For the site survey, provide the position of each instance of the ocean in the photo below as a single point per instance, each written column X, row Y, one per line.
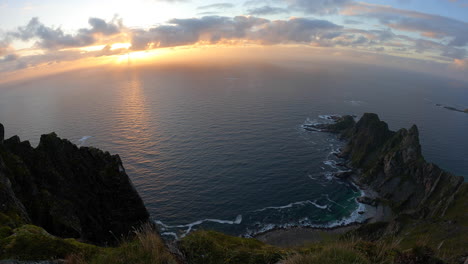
column 222, row 147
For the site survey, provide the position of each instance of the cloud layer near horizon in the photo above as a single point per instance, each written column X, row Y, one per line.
column 398, row 32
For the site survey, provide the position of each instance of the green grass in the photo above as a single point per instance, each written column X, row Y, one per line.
column 145, row 248
column 331, row 255
column 210, row 247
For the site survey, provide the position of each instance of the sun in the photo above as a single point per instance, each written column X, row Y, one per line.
column 141, row 56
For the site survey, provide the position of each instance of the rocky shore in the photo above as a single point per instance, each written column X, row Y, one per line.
column 390, row 170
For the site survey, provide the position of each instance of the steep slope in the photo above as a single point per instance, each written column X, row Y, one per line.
column 69, row 191
column 391, row 163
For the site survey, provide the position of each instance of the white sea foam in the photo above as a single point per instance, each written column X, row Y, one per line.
column 355, row 103
column 170, row 234
column 190, row 226
column 330, row 117
column 83, row 140
column 355, row 217
column 328, row 175
column 330, row 163
column 293, row 204
column 330, row 200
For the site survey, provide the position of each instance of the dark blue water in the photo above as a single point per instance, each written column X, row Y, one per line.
column 222, row 147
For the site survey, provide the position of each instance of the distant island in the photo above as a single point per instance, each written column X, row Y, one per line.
column 62, row 202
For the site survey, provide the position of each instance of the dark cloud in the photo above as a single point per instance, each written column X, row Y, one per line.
column 9, row 57
column 215, row 29
column 296, row 30
column 267, row 10
column 216, row 6
column 190, row 31
column 55, row 38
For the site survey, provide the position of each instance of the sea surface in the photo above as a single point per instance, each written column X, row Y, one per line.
column 223, row 147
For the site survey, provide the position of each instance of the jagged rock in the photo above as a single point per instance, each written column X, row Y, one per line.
column 341, row 125
column 70, row 191
column 367, row 200
column 392, row 164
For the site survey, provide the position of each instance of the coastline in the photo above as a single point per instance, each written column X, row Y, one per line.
column 300, row 236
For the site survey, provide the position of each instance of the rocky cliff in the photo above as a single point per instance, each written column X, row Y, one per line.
column 69, row 191
column 391, row 163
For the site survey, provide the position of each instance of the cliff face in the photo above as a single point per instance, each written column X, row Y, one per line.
column 69, row 191
column 391, row 163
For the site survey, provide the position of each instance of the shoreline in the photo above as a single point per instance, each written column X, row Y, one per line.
column 301, row 235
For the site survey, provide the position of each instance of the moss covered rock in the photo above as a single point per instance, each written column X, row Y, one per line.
column 34, row 243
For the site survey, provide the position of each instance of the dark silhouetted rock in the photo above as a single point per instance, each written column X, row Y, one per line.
column 70, row 191
column 343, row 174
column 2, row 133
column 367, row 200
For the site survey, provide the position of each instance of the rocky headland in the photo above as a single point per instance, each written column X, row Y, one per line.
column 68, row 191
column 392, row 165
column 414, row 201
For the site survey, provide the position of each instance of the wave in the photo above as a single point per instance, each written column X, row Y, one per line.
column 331, row 117
column 331, row 163
column 190, row 226
column 355, row 103
column 331, row 201
column 355, row 217
column 170, row 234
column 293, row 204
column 83, row 140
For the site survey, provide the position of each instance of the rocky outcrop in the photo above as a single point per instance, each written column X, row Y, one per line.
column 69, row 191
column 341, row 125
column 391, row 163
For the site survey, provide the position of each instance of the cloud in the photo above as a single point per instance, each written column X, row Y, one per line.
column 263, row 2
column 216, row 6
column 4, row 47
column 296, row 30
column 214, row 29
column 460, row 64
column 267, row 10
column 319, row 7
column 427, row 25
column 55, row 38
column 9, row 57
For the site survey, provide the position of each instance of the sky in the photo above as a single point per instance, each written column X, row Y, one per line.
column 422, row 35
